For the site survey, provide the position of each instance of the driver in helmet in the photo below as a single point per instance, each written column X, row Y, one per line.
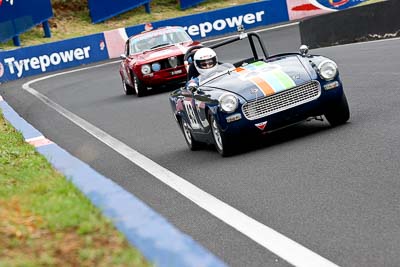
column 205, row 61
column 205, row 64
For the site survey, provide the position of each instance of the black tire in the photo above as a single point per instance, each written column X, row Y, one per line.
column 127, row 88
column 222, row 141
column 187, row 133
column 339, row 113
column 140, row 89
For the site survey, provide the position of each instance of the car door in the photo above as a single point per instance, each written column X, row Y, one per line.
column 194, row 103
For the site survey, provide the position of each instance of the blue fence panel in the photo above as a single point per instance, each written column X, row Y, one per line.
column 18, row 16
column 185, row 4
column 101, row 10
column 225, row 20
column 39, row 59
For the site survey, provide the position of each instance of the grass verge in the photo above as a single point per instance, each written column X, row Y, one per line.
column 45, row 220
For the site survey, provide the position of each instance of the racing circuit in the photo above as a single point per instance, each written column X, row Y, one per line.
column 332, row 190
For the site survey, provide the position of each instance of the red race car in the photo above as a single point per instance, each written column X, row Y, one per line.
column 154, row 58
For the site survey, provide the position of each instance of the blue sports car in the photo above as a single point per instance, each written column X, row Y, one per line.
column 258, row 95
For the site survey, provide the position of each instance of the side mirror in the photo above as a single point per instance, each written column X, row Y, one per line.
column 122, row 56
column 303, row 50
column 193, row 88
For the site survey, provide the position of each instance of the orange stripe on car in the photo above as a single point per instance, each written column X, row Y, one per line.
column 262, row 85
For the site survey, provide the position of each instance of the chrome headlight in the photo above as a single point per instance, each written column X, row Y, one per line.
column 228, row 102
column 173, row 62
column 156, row 66
column 146, row 69
column 327, row 69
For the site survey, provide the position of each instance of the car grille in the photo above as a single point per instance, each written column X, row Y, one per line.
column 165, row 64
column 281, row 101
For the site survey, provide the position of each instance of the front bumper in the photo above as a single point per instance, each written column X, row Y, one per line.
column 165, row 76
column 237, row 123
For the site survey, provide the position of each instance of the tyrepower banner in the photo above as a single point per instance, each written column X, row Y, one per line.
column 18, row 16
column 40, row 59
column 225, row 20
column 101, row 10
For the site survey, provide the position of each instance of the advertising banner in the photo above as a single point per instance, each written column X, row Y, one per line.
column 299, row 9
column 18, row 16
column 225, row 20
column 185, row 4
column 40, row 59
column 101, row 10
column 338, row 4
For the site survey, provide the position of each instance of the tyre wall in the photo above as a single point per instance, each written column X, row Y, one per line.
column 369, row 22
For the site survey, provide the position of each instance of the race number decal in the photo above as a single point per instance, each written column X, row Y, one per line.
column 191, row 114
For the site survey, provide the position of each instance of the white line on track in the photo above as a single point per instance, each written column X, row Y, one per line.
column 275, row 242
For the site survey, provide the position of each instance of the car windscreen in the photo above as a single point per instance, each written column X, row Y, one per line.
column 243, row 52
column 155, row 39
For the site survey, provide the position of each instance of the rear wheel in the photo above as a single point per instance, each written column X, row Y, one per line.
column 338, row 114
column 140, row 89
column 187, row 133
column 222, row 141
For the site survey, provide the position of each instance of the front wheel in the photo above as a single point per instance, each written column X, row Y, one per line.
column 127, row 88
column 187, row 133
column 222, row 142
column 339, row 113
column 140, row 89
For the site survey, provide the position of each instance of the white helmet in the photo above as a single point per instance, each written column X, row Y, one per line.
column 205, row 60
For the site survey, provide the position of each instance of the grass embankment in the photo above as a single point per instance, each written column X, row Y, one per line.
column 72, row 19
column 45, row 220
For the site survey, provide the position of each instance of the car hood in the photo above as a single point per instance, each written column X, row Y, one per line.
column 162, row 53
column 260, row 78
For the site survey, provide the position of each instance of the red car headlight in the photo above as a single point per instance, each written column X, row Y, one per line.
column 146, row 69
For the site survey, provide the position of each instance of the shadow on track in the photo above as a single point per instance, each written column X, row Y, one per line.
column 259, row 142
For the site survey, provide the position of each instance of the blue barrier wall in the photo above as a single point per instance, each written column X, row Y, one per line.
column 39, row 59
column 101, row 10
column 18, row 16
column 225, row 20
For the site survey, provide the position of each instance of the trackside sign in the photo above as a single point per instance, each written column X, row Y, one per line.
column 207, row 27
column 18, row 16
column 46, row 61
column 33, row 60
column 226, row 20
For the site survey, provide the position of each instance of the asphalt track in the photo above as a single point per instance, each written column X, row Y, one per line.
column 332, row 190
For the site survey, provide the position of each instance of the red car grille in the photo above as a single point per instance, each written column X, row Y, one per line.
column 165, row 64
